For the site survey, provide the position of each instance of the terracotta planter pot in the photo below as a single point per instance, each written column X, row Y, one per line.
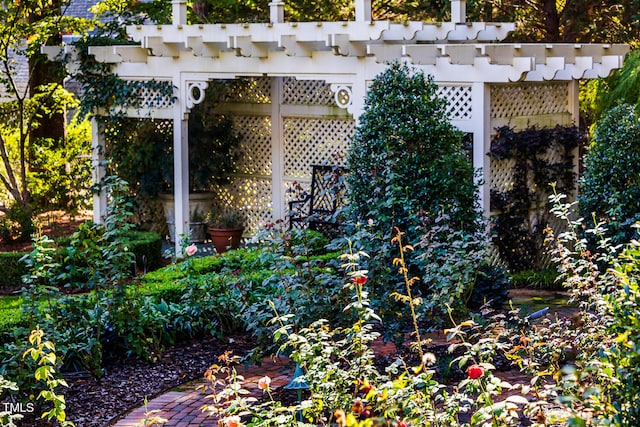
column 225, row 238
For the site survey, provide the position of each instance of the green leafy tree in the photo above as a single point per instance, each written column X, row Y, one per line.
column 33, row 102
column 610, row 186
column 599, row 95
column 567, row 21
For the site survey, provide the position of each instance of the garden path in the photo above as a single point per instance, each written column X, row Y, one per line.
column 182, row 407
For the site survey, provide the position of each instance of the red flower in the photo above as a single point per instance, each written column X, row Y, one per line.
column 359, row 280
column 475, row 371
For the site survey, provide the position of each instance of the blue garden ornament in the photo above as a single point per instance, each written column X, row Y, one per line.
column 538, row 313
column 299, row 380
column 298, row 383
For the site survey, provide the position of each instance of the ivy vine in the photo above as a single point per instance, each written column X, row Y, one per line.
column 517, row 229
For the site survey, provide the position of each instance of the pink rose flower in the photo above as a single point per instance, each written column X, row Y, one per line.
column 232, row 421
column 264, row 383
column 191, row 250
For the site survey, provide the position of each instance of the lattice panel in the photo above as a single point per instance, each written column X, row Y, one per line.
column 152, row 98
column 251, row 196
column 149, row 214
column 314, row 141
column 250, row 90
column 501, row 170
column 307, row 92
column 458, row 101
column 501, row 174
column 529, row 99
column 255, row 148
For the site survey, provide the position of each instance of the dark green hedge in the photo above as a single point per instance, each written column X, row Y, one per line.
column 146, row 245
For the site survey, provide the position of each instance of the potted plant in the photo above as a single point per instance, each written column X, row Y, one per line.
column 213, row 144
column 225, row 229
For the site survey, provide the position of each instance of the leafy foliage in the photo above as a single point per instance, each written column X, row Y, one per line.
column 601, row 385
column 623, row 86
column 27, row 107
column 610, row 185
column 517, row 230
column 409, row 171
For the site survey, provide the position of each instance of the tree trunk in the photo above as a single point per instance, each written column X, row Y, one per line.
column 551, row 21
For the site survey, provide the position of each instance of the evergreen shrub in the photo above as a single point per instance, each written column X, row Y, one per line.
column 610, row 186
column 409, row 168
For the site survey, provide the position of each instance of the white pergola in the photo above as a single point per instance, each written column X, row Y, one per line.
column 347, row 56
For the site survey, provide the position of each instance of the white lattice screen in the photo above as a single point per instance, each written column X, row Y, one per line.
column 313, row 142
column 304, row 141
column 252, row 196
column 151, row 98
column 529, row 99
column 501, row 174
column 250, row 91
column 255, row 148
column 309, row 92
column 502, row 170
column 525, row 100
column 458, row 101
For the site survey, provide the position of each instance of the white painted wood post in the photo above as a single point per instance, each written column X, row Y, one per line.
column 363, row 10
column 276, row 9
column 481, row 104
column 179, row 12
column 278, row 208
column 180, row 166
column 98, row 172
column 458, row 11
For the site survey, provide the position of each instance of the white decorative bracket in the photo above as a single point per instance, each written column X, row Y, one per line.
column 343, row 95
column 194, row 94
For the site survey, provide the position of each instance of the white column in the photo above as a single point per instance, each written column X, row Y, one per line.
column 458, row 11
column 179, row 12
column 278, row 209
column 363, row 10
column 98, row 172
column 180, row 166
column 276, row 9
column 481, row 103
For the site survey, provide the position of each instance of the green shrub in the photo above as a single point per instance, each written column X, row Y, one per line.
column 409, row 169
column 17, row 224
column 491, row 286
column 610, row 186
column 12, row 270
column 60, row 173
column 601, row 386
column 146, row 246
column 10, row 312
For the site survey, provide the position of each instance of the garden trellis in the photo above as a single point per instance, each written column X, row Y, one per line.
column 309, row 80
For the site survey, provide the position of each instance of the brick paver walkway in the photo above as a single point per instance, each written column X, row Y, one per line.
column 183, row 408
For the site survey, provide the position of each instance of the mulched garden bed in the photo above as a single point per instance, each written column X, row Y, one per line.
column 100, row 402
